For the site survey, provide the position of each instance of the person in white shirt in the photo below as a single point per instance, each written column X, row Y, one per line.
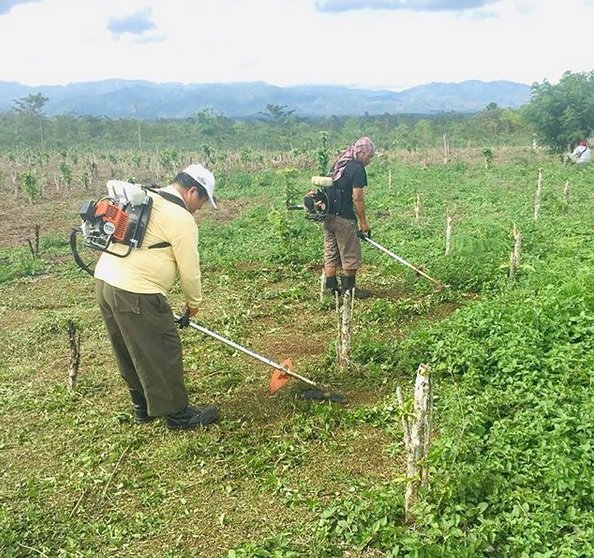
column 582, row 153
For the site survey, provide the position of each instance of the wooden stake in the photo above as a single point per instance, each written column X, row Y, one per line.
column 31, row 248
column 345, row 318
column 514, row 260
column 448, row 240
column 417, row 207
column 322, row 284
column 37, row 229
column 389, row 180
column 538, row 195
column 566, row 193
column 74, row 342
column 15, row 183
column 417, row 439
column 446, row 149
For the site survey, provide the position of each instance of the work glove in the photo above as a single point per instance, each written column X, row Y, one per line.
column 183, row 320
column 364, row 234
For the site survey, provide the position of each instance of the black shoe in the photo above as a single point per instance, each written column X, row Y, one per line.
column 190, row 418
column 141, row 415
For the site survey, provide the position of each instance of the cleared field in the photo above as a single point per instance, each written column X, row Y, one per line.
column 284, row 477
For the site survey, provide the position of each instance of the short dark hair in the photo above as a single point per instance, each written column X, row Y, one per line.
column 186, row 181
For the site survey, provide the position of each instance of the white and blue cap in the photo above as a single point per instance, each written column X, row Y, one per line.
column 205, row 178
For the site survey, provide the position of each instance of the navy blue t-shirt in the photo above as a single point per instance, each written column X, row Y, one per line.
column 341, row 193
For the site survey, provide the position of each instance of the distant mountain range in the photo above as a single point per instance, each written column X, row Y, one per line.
column 117, row 98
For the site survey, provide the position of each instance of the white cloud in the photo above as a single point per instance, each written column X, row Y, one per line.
column 289, row 42
column 412, row 5
column 137, row 23
column 7, row 5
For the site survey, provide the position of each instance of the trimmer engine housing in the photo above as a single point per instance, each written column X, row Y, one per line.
column 122, row 217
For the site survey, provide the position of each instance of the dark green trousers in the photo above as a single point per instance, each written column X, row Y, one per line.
column 146, row 344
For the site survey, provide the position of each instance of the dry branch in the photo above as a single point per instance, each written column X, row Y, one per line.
column 117, row 466
column 74, row 363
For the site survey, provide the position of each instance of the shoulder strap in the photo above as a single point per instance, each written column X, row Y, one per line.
column 169, row 197
column 174, row 199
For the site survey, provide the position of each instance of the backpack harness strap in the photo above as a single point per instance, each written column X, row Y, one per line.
column 173, row 199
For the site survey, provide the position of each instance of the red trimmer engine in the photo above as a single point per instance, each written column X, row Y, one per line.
column 121, row 217
column 104, row 221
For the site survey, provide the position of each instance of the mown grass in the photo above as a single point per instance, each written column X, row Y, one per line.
column 284, row 477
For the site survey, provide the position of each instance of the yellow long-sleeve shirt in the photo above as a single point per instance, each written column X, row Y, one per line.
column 154, row 270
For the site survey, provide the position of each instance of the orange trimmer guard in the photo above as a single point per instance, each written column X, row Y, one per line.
column 280, row 378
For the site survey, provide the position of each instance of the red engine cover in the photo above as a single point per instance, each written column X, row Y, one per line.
column 108, row 211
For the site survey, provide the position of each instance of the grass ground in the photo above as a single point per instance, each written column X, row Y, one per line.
column 79, row 478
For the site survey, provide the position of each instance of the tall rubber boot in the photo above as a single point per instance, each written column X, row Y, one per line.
column 141, row 415
column 331, row 285
column 347, row 283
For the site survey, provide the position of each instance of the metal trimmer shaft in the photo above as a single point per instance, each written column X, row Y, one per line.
column 402, row 261
column 267, row 361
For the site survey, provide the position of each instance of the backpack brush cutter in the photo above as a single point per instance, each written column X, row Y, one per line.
column 118, row 219
column 318, row 204
column 282, row 372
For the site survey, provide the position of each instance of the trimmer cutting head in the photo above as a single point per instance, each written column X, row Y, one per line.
column 319, row 395
column 280, row 378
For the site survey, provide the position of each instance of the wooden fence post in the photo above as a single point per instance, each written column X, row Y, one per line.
column 514, row 260
column 538, row 196
column 417, row 439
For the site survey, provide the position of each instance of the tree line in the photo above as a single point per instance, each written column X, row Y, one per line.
column 558, row 114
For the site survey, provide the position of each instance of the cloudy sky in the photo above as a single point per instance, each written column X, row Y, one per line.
column 390, row 44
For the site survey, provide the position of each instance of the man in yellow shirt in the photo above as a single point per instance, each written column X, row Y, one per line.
column 131, row 292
